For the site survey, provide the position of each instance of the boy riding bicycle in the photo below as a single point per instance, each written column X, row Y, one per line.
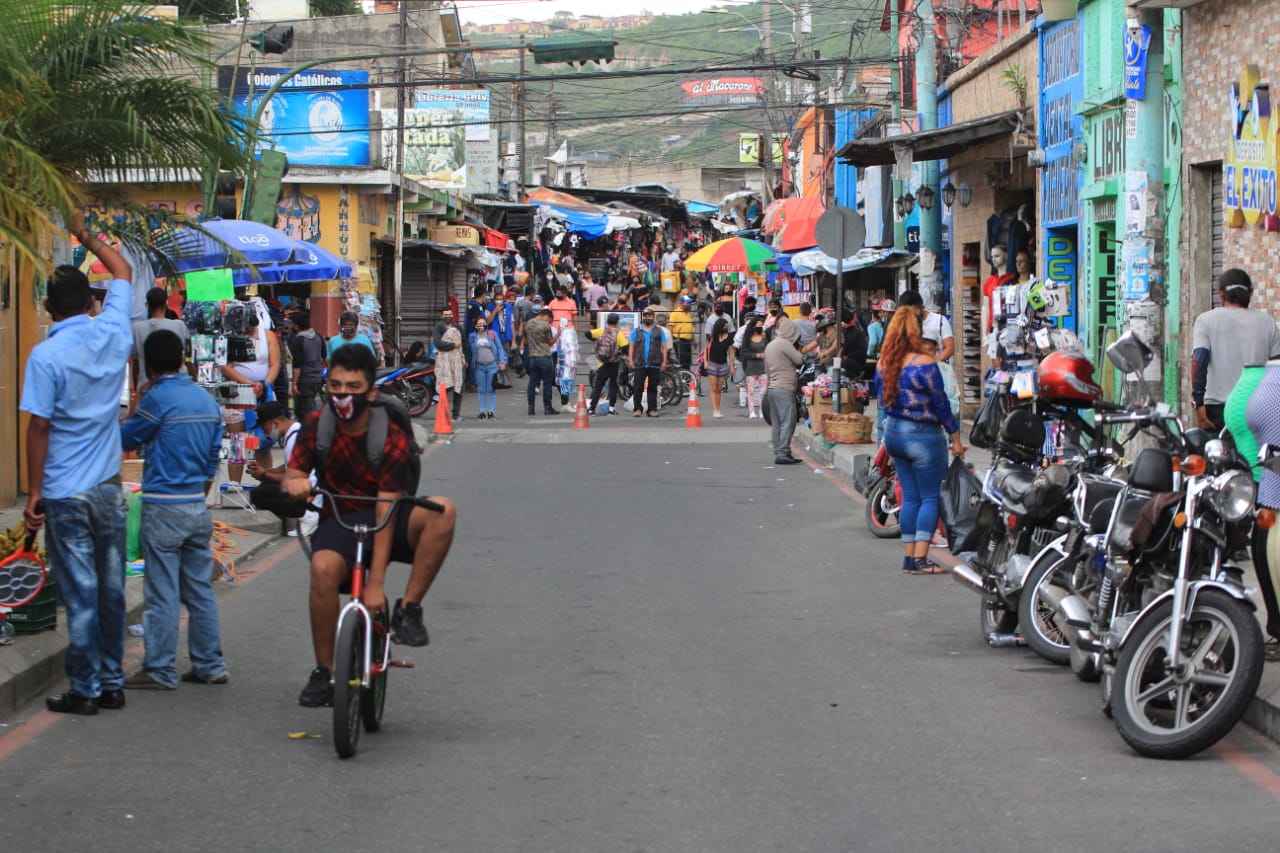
column 418, row 536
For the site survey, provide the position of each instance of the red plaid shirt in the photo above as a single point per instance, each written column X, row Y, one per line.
column 347, row 471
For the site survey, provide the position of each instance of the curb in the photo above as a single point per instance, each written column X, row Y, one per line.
column 1264, row 711
column 31, row 665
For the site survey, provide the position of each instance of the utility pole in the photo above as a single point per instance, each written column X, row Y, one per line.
column 1143, row 250
column 927, row 118
column 520, row 147
column 895, row 96
column 397, row 273
column 771, row 88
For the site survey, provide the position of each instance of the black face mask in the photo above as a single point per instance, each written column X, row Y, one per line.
column 648, row 321
column 348, row 407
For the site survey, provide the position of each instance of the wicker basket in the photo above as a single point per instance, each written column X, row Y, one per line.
column 851, row 428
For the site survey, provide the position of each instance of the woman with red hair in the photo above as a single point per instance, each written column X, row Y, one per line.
column 913, row 398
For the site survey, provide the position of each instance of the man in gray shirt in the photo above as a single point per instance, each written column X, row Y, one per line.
column 782, row 361
column 808, row 329
column 1223, row 342
column 157, row 304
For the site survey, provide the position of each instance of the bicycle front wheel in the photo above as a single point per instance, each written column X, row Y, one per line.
column 669, row 389
column 348, row 673
column 373, row 699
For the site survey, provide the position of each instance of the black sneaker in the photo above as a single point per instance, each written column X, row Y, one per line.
column 319, row 690
column 406, row 624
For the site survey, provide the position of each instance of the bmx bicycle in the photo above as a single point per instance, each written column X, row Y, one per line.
column 362, row 645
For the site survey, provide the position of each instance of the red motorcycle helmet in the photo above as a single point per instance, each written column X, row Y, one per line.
column 1066, row 379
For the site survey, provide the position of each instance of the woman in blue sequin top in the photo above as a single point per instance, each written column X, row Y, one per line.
column 911, row 393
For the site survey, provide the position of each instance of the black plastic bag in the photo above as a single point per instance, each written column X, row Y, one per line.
column 959, row 505
column 987, row 423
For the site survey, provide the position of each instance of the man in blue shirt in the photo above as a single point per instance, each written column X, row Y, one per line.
column 72, row 391
column 349, row 333
column 181, row 426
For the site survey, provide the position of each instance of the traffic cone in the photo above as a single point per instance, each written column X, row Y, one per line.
column 693, row 419
column 444, row 423
column 580, row 418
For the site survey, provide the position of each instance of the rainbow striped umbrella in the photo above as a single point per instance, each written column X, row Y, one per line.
column 737, row 254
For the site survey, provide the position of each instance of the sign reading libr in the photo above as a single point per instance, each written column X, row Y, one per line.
column 1249, row 174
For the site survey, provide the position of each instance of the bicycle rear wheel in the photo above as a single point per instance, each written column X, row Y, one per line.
column 348, row 673
column 669, row 389
column 373, row 699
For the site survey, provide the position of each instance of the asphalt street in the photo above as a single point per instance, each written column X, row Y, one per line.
column 646, row 639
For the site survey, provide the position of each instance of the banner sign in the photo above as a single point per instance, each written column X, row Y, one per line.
column 317, row 118
column 1137, row 44
column 1249, row 175
column 749, row 148
column 723, row 90
column 434, row 150
column 467, row 106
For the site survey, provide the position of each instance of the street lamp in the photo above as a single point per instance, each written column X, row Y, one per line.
column 908, row 203
column 925, row 197
column 949, row 194
column 966, row 195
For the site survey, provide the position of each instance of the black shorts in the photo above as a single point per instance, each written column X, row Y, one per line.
column 331, row 536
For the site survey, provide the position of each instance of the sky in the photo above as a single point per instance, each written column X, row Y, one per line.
column 502, row 11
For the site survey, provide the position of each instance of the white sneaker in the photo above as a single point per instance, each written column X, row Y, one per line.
column 716, row 415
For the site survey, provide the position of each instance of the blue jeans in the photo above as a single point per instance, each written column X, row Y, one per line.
column 542, row 369
column 484, row 385
column 175, row 542
column 919, row 454
column 85, row 539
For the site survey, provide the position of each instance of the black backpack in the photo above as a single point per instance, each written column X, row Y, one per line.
column 385, row 409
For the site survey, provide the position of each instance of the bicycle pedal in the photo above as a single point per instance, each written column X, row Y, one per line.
column 403, row 664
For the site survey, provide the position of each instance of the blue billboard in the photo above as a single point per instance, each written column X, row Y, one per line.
column 318, row 117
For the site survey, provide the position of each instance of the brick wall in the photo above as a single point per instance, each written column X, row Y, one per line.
column 1221, row 36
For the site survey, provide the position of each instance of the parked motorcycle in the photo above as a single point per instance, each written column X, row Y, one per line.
column 1024, row 514
column 884, row 497
column 1170, row 625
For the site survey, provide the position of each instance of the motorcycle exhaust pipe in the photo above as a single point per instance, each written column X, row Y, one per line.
column 1074, row 612
column 967, row 576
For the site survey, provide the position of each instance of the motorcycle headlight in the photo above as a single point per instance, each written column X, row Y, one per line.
column 1232, row 495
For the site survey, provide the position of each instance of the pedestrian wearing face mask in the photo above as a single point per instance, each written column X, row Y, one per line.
column 648, row 355
column 450, row 366
column 349, row 333
column 487, row 357
column 282, row 431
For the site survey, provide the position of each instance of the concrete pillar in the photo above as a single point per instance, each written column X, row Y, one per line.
column 1142, row 198
column 927, row 112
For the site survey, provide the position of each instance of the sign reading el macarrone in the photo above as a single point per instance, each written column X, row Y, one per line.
column 1249, row 175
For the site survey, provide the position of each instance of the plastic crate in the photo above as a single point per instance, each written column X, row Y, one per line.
column 39, row 614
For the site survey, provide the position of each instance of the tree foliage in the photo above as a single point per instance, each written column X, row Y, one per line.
column 90, row 91
column 334, row 8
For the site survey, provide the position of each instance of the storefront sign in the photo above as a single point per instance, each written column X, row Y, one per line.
column 1106, row 149
column 1249, row 175
column 749, row 147
column 1137, row 42
column 461, row 234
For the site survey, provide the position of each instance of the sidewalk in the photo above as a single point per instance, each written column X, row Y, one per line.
column 1263, row 714
column 32, row 665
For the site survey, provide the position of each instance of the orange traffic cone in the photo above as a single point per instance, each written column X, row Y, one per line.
column 444, row 423
column 693, row 419
column 580, row 418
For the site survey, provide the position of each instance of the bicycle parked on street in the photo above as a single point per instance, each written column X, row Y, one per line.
column 362, row 650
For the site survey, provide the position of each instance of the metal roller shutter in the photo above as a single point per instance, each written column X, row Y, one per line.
column 423, row 292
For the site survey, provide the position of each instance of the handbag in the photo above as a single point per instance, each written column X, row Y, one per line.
column 959, row 504
column 739, row 373
column 987, row 423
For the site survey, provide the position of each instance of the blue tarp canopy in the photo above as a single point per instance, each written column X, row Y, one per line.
column 701, row 208
column 815, row 260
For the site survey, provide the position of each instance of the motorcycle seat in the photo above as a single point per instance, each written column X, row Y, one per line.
column 1014, row 481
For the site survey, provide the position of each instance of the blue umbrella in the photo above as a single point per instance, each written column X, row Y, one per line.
column 188, row 249
column 312, row 263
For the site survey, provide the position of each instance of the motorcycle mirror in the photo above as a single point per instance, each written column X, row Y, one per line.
column 1129, row 354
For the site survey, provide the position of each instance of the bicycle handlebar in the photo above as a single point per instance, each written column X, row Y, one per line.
column 424, row 502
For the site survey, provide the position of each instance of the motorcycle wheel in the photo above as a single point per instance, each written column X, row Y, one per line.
column 417, row 398
column 1038, row 610
column 1162, row 715
column 882, row 511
